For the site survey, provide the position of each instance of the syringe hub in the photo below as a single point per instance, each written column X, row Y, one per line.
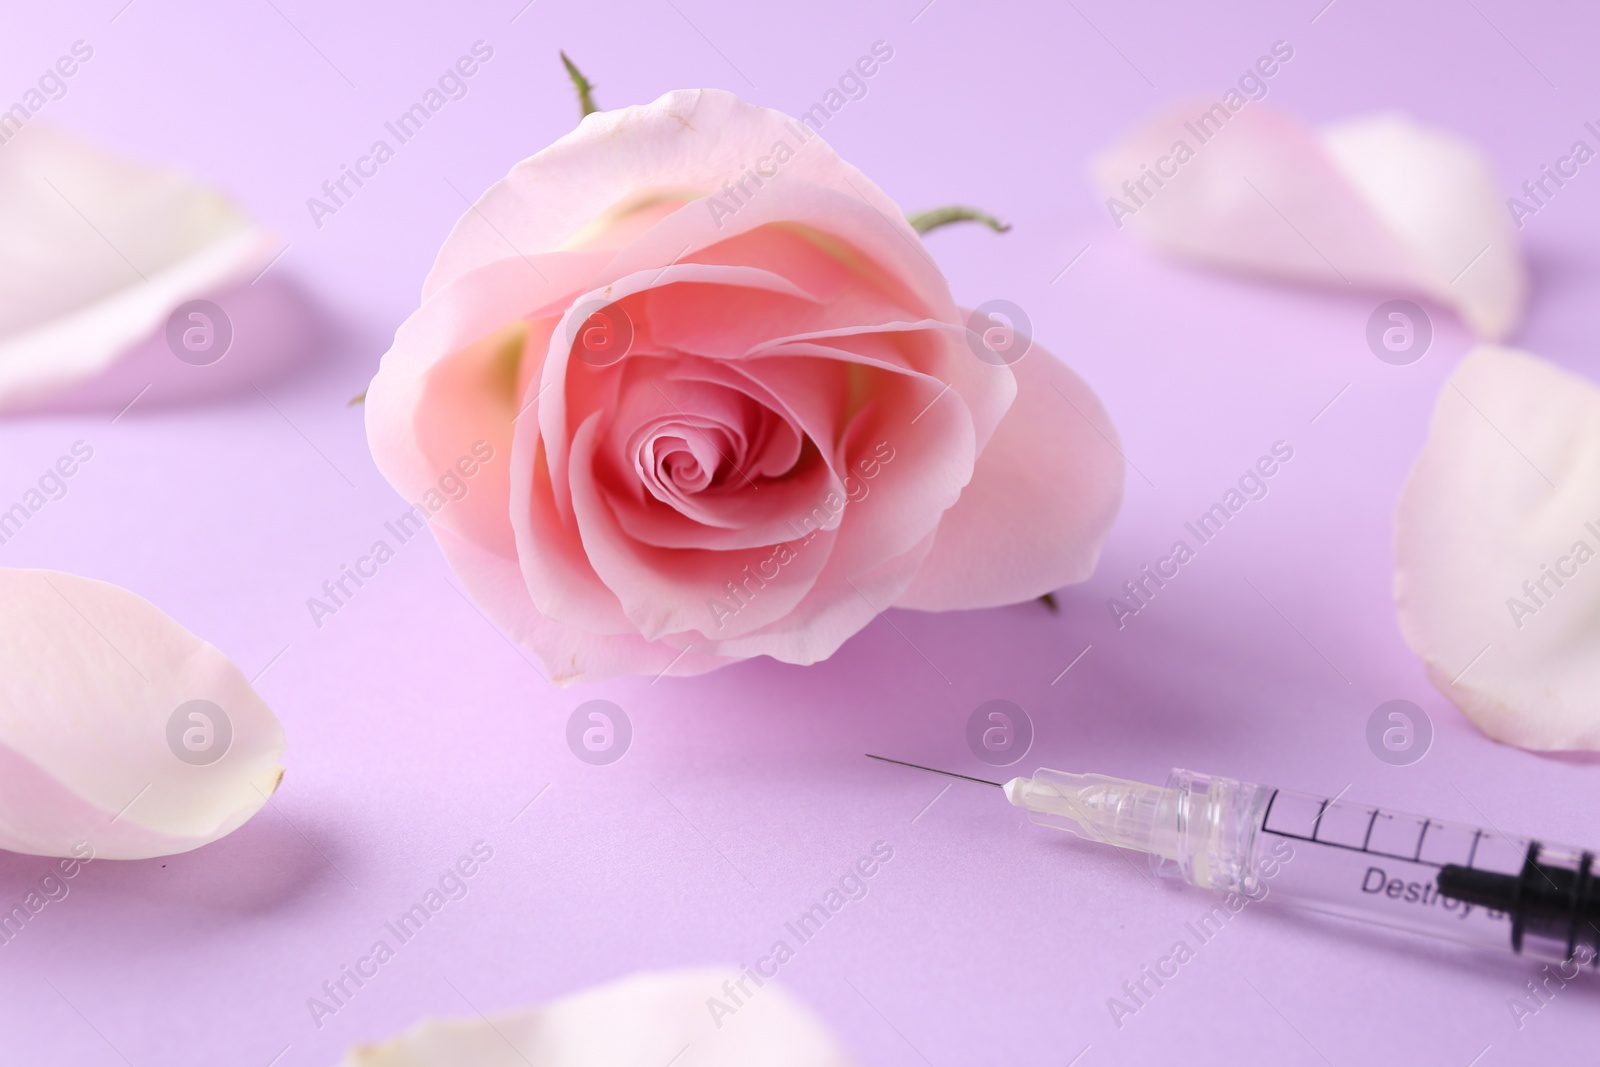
column 1196, row 828
column 1112, row 811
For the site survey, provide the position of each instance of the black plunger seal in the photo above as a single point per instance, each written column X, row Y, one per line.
column 1553, row 902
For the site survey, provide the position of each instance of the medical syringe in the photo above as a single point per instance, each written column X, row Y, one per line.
column 1333, row 855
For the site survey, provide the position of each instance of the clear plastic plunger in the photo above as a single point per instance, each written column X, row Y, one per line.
column 1351, row 859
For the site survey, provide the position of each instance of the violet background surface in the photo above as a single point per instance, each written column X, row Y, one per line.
column 414, row 730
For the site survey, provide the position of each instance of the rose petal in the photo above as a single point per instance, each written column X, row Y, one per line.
column 275, row 327
column 569, row 653
column 1496, row 537
column 687, row 144
column 645, row 1020
column 456, row 374
column 99, row 250
column 824, row 620
column 1055, row 460
column 93, row 745
column 1379, row 202
column 1439, row 195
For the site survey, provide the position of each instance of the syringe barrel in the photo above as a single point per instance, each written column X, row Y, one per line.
column 1413, row 872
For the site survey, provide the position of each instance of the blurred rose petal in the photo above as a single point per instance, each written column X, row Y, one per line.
column 1497, row 578
column 1379, row 203
column 119, row 729
column 646, row 1020
column 99, row 252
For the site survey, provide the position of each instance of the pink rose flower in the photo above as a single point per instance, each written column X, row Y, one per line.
column 730, row 405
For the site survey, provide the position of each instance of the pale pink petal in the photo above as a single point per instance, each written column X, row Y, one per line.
column 914, row 419
column 275, row 328
column 1376, row 203
column 1497, row 550
column 456, row 375
column 883, row 257
column 687, row 144
column 568, row 653
column 826, row 619
column 557, row 575
column 98, row 251
column 645, row 1020
column 1041, row 500
column 1438, row 194
column 95, row 749
column 927, row 347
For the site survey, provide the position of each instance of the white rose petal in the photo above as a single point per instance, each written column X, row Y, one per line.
column 1378, row 202
column 1497, row 550
column 98, row 251
column 119, row 729
column 646, row 1020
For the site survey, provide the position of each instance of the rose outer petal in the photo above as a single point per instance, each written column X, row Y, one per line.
column 684, row 145
column 1040, row 504
column 1497, row 550
column 456, row 374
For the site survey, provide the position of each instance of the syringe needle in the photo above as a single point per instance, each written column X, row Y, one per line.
column 935, row 770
